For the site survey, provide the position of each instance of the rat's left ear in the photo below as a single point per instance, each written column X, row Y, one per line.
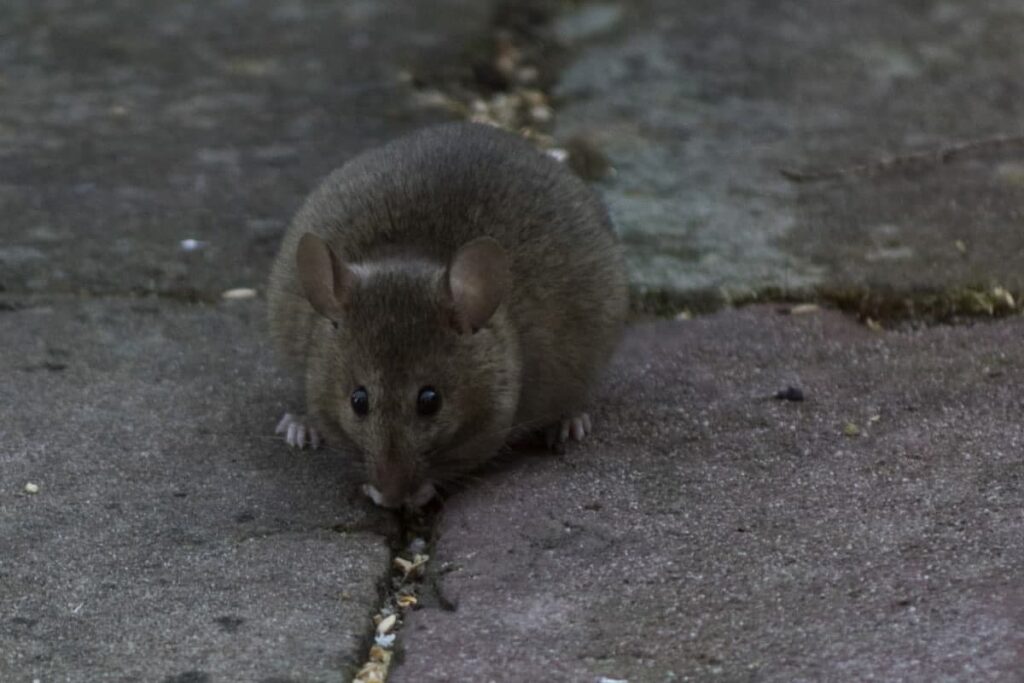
column 325, row 280
column 478, row 279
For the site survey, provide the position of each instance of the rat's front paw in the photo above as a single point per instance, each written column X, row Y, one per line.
column 297, row 433
column 576, row 427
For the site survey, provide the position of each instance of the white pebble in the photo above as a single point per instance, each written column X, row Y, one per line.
column 31, row 488
column 558, row 154
column 239, row 293
column 191, row 244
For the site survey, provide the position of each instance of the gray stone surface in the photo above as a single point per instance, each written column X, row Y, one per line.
column 171, row 533
column 700, row 104
column 128, row 127
column 711, row 532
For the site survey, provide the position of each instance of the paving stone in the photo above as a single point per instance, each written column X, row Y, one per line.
column 711, row 532
column 700, row 105
column 171, row 532
column 130, row 127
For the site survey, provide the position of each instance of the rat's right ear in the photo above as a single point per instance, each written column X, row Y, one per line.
column 326, row 281
column 478, row 277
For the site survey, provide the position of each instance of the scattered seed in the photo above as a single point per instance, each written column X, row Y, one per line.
column 239, row 293
column 804, row 309
column 406, row 600
column 386, row 624
column 851, row 429
column 379, row 654
column 31, row 488
column 1004, row 296
column 960, row 246
column 873, row 324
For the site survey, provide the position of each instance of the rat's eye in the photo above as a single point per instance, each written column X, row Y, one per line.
column 428, row 402
column 360, row 400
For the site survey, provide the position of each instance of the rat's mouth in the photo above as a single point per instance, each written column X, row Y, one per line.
column 423, row 495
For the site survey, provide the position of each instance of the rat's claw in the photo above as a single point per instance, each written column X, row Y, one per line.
column 576, row 427
column 282, row 426
column 297, row 433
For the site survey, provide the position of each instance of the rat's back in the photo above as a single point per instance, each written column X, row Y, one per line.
column 426, row 195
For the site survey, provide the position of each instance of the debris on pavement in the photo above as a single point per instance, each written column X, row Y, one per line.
column 804, row 309
column 790, row 393
column 31, row 488
column 408, row 571
column 239, row 293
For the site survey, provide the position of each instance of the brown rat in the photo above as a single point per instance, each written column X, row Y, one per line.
column 442, row 294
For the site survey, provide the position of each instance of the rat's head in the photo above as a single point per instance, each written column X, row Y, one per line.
column 412, row 362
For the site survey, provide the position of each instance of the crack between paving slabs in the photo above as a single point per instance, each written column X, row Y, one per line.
column 408, row 585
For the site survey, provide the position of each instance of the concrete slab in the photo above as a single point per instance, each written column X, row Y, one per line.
column 172, row 538
column 700, row 105
column 128, row 128
column 871, row 532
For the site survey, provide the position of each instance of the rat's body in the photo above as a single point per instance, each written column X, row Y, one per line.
column 422, row 341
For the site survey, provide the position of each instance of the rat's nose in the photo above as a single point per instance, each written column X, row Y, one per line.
column 424, row 494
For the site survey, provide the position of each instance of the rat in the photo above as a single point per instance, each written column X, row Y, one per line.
column 442, row 296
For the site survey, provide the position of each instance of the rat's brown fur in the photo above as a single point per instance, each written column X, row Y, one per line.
column 397, row 215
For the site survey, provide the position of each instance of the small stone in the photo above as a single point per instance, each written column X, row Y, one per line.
column 541, row 113
column 558, row 154
column 790, row 394
column 384, row 640
column 31, row 488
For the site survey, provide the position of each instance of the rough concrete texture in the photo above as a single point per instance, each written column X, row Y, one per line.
column 700, row 104
column 128, row 127
column 711, row 532
column 172, row 538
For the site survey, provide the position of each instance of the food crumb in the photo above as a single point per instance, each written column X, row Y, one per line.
column 804, row 309
column 31, row 488
column 239, row 293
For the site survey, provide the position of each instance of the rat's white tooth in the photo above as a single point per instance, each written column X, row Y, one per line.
column 563, row 436
column 423, row 495
column 587, row 424
column 577, row 429
column 300, row 435
column 292, row 427
column 314, row 438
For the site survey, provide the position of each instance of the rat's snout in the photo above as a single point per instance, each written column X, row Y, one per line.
column 393, row 486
